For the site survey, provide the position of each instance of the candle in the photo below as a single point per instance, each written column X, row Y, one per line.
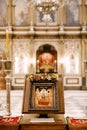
column 55, row 66
column 38, row 69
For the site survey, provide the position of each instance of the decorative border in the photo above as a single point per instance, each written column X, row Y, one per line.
column 18, row 80
column 72, row 81
column 54, row 106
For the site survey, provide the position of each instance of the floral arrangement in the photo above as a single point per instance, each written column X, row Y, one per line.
column 45, row 76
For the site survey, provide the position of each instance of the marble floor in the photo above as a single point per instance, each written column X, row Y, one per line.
column 75, row 103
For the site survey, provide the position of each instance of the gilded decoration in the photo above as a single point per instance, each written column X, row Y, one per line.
column 46, row 59
column 27, row 36
column 46, row 62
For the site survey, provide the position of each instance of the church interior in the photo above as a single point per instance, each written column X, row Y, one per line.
column 43, row 64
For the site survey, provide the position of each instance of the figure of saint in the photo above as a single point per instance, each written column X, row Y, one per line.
column 46, row 62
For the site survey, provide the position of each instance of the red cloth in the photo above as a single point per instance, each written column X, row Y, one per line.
column 10, row 120
column 74, row 121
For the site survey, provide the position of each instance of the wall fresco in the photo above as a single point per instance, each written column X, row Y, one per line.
column 21, row 13
column 72, row 13
column 3, row 12
column 52, row 19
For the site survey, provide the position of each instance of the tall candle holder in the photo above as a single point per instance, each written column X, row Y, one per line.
column 55, row 66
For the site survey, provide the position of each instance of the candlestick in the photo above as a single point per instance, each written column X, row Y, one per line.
column 55, row 66
column 38, row 68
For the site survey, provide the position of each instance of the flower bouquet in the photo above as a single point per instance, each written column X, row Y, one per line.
column 45, row 76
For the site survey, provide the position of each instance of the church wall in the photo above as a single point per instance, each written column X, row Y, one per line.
column 27, row 32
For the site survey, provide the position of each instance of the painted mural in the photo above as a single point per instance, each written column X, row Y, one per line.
column 21, row 14
column 52, row 19
column 3, row 7
column 72, row 13
column 72, row 57
column 21, row 56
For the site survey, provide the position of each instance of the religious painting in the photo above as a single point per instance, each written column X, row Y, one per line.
column 72, row 57
column 50, row 19
column 46, row 62
column 43, row 95
column 72, row 66
column 3, row 12
column 21, row 66
column 21, row 14
column 20, row 56
column 46, row 59
column 72, row 13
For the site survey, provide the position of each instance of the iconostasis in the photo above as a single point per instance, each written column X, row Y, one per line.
column 36, row 47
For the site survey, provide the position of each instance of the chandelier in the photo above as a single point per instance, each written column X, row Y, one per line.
column 48, row 7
